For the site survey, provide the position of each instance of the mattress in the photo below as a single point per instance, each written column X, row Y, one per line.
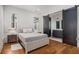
column 28, row 37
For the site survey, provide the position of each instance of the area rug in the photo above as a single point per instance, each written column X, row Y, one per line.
column 16, row 46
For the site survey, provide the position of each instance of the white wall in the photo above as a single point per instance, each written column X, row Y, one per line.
column 78, row 22
column 77, row 26
column 1, row 28
column 1, row 23
column 24, row 18
column 40, row 26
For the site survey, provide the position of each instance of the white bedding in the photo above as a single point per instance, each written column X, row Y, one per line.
column 31, row 41
column 26, row 37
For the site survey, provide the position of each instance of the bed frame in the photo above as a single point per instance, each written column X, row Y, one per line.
column 29, row 46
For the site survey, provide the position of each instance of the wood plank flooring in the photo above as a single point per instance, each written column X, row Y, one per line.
column 54, row 47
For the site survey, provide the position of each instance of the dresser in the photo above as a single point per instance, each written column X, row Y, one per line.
column 57, row 33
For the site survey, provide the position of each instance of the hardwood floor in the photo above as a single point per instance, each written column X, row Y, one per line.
column 54, row 47
column 7, row 49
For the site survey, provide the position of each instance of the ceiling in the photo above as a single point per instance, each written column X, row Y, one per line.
column 43, row 9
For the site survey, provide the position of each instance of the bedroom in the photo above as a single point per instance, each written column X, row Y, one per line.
column 16, row 19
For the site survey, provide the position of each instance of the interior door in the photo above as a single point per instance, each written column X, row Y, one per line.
column 46, row 25
column 70, row 26
column 49, row 26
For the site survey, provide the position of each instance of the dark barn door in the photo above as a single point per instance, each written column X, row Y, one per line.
column 47, row 25
column 70, row 26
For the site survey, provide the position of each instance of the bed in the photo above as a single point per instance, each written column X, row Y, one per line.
column 32, row 40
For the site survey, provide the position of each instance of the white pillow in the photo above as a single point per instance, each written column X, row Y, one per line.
column 27, row 30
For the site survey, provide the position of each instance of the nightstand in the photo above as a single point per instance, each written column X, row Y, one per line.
column 12, row 38
column 12, row 35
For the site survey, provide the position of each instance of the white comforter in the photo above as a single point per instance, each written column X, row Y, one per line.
column 31, row 41
column 26, row 37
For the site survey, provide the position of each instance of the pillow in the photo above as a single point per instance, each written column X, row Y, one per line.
column 27, row 30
